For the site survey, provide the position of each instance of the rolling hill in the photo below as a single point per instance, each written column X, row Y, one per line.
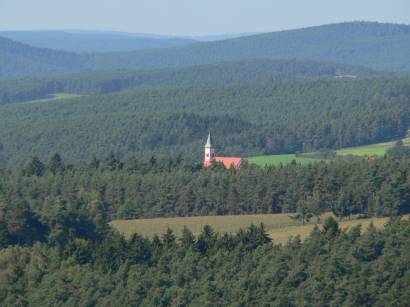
column 245, row 72
column 379, row 46
column 375, row 45
column 21, row 60
column 251, row 119
column 93, row 41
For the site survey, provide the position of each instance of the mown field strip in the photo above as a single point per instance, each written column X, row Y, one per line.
column 279, row 226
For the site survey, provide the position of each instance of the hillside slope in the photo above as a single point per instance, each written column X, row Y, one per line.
column 21, row 60
column 378, row 46
column 78, row 41
column 245, row 72
column 251, row 119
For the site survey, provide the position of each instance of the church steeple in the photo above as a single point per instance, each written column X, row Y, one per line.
column 209, row 154
column 210, row 158
column 208, row 141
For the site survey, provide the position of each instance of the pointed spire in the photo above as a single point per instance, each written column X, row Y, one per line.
column 208, row 141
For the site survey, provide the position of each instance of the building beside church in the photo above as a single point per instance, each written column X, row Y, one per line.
column 210, row 158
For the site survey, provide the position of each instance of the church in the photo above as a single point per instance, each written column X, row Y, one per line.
column 210, row 158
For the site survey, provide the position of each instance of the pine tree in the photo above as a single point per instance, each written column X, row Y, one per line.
column 35, row 167
column 56, row 164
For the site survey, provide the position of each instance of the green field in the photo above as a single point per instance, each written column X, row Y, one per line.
column 279, row 226
column 370, row 150
column 278, row 159
column 367, row 150
column 56, row 96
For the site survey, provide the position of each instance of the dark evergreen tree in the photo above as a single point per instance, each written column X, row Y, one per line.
column 35, row 167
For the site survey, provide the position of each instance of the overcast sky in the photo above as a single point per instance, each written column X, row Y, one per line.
column 194, row 17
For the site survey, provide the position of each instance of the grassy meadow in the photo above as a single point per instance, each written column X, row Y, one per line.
column 56, row 96
column 370, row 150
column 279, row 226
column 278, row 159
column 367, row 150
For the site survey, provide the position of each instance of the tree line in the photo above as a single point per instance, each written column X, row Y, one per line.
column 177, row 187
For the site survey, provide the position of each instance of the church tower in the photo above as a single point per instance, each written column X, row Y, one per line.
column 209, row 156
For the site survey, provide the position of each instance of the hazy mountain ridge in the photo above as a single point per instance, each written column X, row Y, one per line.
column 374, row 45
column 21, row 60
column 379, row 46
column 93, row 41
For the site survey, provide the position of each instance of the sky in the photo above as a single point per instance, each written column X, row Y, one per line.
column 194, row 17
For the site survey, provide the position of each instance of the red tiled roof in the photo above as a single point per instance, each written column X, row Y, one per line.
column 230, row 161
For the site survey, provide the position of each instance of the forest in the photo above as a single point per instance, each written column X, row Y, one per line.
column 177, row 187
column 94, row 41
column 228, row 73
column 56, row 246
column 249, row 119
column 129, row 145
column 211, row 269
column 374, row 45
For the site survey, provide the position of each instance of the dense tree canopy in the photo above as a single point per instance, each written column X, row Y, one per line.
column 176, row 187
column 244, row 72
column 127, row 149
column 56, row 247
column 248, row 119
column 332, row 267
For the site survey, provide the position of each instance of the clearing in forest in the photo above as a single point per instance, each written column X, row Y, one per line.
column 279, row 226
column 54, row 97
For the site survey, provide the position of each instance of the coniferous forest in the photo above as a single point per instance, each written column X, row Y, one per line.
column 112, row 127
column 176, row 187
column 331, row 267
column 248, row 119
column 57, row 247
column 381, row 46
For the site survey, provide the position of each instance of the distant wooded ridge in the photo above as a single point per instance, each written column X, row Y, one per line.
column 261, row 93
column 94, row 41
column 243, row 72
column 106, row 41
column 374, row 45
column 284, row 116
